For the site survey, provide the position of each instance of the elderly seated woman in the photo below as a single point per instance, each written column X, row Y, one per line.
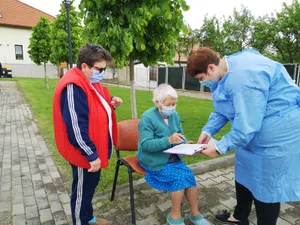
column 160, row 129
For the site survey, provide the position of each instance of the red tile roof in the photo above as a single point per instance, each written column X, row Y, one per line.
column 19, row 14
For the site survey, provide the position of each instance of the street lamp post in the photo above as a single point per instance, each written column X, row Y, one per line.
column 68, row 4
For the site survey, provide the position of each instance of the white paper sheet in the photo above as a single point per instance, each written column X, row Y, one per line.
column 185, row 149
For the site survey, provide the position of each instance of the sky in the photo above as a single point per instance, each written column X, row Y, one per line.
column 198, row 10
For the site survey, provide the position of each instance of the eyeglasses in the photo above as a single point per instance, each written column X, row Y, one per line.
column 97, row 68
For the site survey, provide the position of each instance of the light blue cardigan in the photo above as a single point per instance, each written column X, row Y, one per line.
column 154, row 134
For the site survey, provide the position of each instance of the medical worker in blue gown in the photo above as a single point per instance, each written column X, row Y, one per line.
column 261, row 102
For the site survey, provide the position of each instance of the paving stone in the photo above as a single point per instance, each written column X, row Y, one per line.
column 67, row 209
column 45, row 215
column 55, row 175
column 148, row 221
column 5, row 186
column 18, row 208
column 5, row 207
column 46, row 179
column 31, row 212
column 285, row 206
column 291, row 215
column 5, row 218
column 36, row 177
column 56, row 206
column 229, row 203
column 53, row 197
column 16, row 181
column 40, row 193
column 60, row 218
column 6, row 179
column 50, row 222
column 165, row 206
column 29, row 201
column 17, row 198
column 38, row 184
column 207, row 183
column 282, row 222
column 17, row 189
column 204, row 176
column 33, row 221
column 229, row 176
column 147, row 211
column 5, row 195
column 216, row 173
column 42, row 203
column 220, row 179
column 25, row 169
column 64, row 198
column 19, row 219
column 28, row 191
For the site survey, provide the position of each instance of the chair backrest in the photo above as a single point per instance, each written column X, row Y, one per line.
column 128, row 135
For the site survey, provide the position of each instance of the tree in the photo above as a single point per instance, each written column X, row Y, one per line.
column 59, row 36
column 39, row 47
column 186, row 43
column 145, row 30
column 263, row 36
column 279, row 35
column 237, row 30
column 211, row 34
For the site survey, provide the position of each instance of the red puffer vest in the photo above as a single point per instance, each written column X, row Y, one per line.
column 98, row 120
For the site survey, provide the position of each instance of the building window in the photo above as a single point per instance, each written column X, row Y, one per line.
column 153, row 73
column 19, row 52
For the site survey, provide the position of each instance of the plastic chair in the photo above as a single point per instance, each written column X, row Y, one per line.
column 128, row 137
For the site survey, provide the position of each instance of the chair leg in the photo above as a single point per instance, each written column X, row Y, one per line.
column 115, row 181
column 131, row 196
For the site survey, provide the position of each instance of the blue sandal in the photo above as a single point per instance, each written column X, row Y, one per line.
column 198, row 220
column 175, row 222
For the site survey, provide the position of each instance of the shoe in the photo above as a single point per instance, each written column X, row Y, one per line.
column 175, row 222
column 222, row 218
column 98, row 221
column 198, row 220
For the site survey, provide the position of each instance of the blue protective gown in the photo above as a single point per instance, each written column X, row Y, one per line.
column 261, row 101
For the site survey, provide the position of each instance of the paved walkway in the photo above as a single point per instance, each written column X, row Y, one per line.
column 32, row 190
column 216, row 192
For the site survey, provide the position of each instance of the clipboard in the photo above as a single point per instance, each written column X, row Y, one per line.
column 185, row 149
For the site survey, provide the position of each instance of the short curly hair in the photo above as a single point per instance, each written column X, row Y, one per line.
column 199, row 60
column 91, row 53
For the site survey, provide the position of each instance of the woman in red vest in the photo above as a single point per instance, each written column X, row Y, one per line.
column 85, row 127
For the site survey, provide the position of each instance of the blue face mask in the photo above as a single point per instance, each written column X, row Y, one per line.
column 210, row 83
column 168, row 110
column 97, row 76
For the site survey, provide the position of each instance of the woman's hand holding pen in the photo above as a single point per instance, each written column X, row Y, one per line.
column 176, row 138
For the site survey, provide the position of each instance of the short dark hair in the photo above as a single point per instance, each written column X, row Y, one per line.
column 91, row 53
column 199, row 60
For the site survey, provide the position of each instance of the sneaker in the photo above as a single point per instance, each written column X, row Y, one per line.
column 198, row 220
column 222, row 218
column 98, row 221
column 175, row 222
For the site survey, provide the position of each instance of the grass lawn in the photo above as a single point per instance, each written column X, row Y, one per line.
column 194, row 113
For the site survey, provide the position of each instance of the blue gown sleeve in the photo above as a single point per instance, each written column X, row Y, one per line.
column 215, row 122
column 249, row 96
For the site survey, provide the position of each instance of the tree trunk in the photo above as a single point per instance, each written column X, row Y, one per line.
column 46, row 78
column 179, row 59
column 132, row 88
